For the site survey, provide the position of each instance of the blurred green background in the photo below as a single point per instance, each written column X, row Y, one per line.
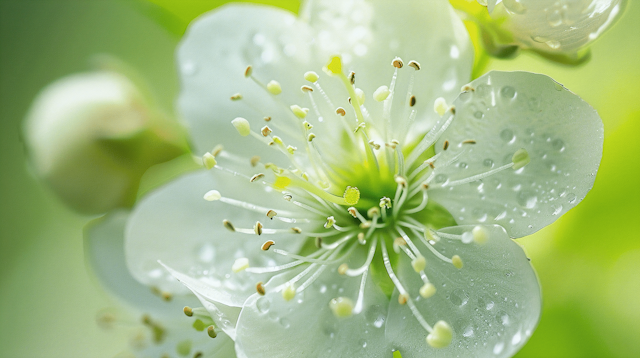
column 588, row 262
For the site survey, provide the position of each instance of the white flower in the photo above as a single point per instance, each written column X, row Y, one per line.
column 343, row 216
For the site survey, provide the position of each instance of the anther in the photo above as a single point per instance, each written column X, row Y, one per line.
column 457, row 261
column 318, row 242
column 385, row 202
column 296, row 230
column 271, row 214
column 425, row 186
column 266, row 131
column 260, row 289
column 291, row 149
column 330, row 221
column 361, row 238
column 365, row 225
column 352, row 77
column 256, row 177
column 217, row 150
column 257, row 228
column 397, row 62
column 445, row 146
column 307, row 125
column 400, row 180
column 374, row 145
column 360, row 96
column 188, row 311
column 412, row 101
column 267, row 245
column 254, row 160
column 469, row 141
column 211, row 332
column 427, row 290
column 274, row 87
column 306, row 89
column 277, row 140
column 440, row 106
column 419, row 263
column 341, row 111
column 287, row 197
column 342, row 269
column 289, row 292
column 208, row 160
column 242, row 126
column 341, row 307
column 267, row 119
column 381, row 93
column 310, row 137
column 520, row 158
column 467, row 88
column 441, row 335
column 298, row 111
column 353, row 212
column 167, row 296
column 452, row 109
column 236, row 97
column 415, row 65
column 360, row 126
column 248, row 71
column 199, row 354
column 480, row 235
column 240, row 264
column 212, row 195
column 311, row 76
column 403, row 298
column 374, row 211
column 397, row 243
column 228, row 225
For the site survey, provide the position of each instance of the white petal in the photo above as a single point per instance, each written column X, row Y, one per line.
column 557, row 27
column 213, row 56
column 509, row 111
column 305, row 326
column 493, row 303
column 178, row 227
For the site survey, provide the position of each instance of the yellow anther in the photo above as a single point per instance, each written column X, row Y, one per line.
column 365, row 225
column 277, row 140
column 430, row 236
column 217, row 150
column 360, row 126
column 400, row 180
column 351, row 195
column 334, row 67
column 441, row 335
column 467, row 88
column 240, row 264
column 267, row 119
column 256, row 177
column 208, row 160
column 427, row 290
column 265, row 131
column 236, row 97
column 419, row 263
column 310, row 137
column 397, row 62
column 440, row 106
column 212, row 195
column 212, row 333
column 298, row 111
column 397, row 243
column 381, row 93
column 260, row 289
column 306, row 89
column 242, row 126
column 257, row 228
column 414, row 64
column 228, row 225
column 361, row 238
column 457, row 261
column 311, row 76
column 360, row 96
column 296, row 230
column 188, row 311
column 330, row 221
column 520, row 158
column 374, row 211
column 353, row 211
column 341, row 307
column 385, row 202
column 254, row 160
column 248, row 71
column 305, row 176
column 291, row 149
column 274, row 87
column 267, row 245
column 307, row 125
column 480, row 234
column 412, row 101
column 271, row 214
column 289, row 292
column 342, row 269
column 341, row 111
column 403, row 298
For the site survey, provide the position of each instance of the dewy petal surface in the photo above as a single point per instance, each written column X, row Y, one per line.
column 492, row 303
column 269, row 326
column 508, row 111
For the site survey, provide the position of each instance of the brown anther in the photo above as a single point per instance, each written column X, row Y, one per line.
column 236, row 97
column 352, row 77
column 211, row 332
column 255, row 160
column 403, row 298
column 228, row 225
column 412, row 101
column 397, row 62
column 399, row 241
column 374, row 145
column 452, row 109
column 425, row 186
column 415, row 65
column 349, row 99
column 257, row 228
column 395, row 141
column 342, row 269
column 400, row 180
column 147, row 320
column 306, row 89
column 267, row 245
column 353, row 212
column 296, row 230
column 256, row 177
column 199, row 354
column 445, row 146
column 431, row 165
column 217, row 150
column 265, row 131
column 271, row 214
column 248, row 71
column 469, row 141
column 166, row 296
column 318, row 242
column 188, row 311
column 341, row 111
column 287, row 197
column 267, row 119
column 260, row 289
column 467, row 88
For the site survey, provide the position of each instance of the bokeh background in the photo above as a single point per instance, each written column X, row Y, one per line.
column 588, row 261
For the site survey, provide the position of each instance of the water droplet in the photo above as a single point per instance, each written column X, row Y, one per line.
column 463, row 165
column 490, row 305
column 527, row 199
column 497, row 349
column 507, row 136
column 467, row 237
column 378, row 322
column 459, row 297
column 363, row 343
column 508, row 92
column 263, row 304
column 465, row 97
column 572, row 198
column 478, row 115
column 517, row 338
column 554, row 18
column 483, row 90
column 503, row 318
column 441, row 178
column 468, row 332
column 285, row 322
column 206, row 253
column 558, row 145
column 488, row 163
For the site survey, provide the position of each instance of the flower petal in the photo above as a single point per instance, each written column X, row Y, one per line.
column 306, row 326
column 492, row 303
column 178, row 227
column 507, row 112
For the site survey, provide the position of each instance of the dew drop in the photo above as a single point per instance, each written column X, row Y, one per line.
column 490, row 305
column 459, row 297
column 527, row 199
column 572, row 198
column 464, row 97
column 263, row 304
column 441, row 178
column 507, row 136
column 558, row 145
column 557, row 209
column 488, row 163
column 468, row 332
column 363, row 343
column 478, row 115
column 554, row 18
column 463, row 165
column 503, row 318
column 517, row 338
column 497, row 349
column 508, row 92
column 285, row 322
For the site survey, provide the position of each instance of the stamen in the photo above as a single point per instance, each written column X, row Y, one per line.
column 208, row 160
column 476, row 177
column 212, row 195
column 271, row 214
column 440, row 106
column 441, row 335
column 381, row 93
column 256, row 177
column 236, row 97
column 266, row 131
column 212, row 333
column 289, row 292
column 299, row 111
column 240, row 264
column 520, row 159
column 242, row 126
column 330, row 222
column 188, row 311
column 397, row 62
column 423, row 203
column 248, row 71
column 274, row 87
column 427, row 290
column 228, row 225
column 267, row 245
column 457, row 261
column 341, row 307
column 365, row 266
column 260, row 289
column 311, row 76
column 342, row 269
column 415, row 65
column 254, row 160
